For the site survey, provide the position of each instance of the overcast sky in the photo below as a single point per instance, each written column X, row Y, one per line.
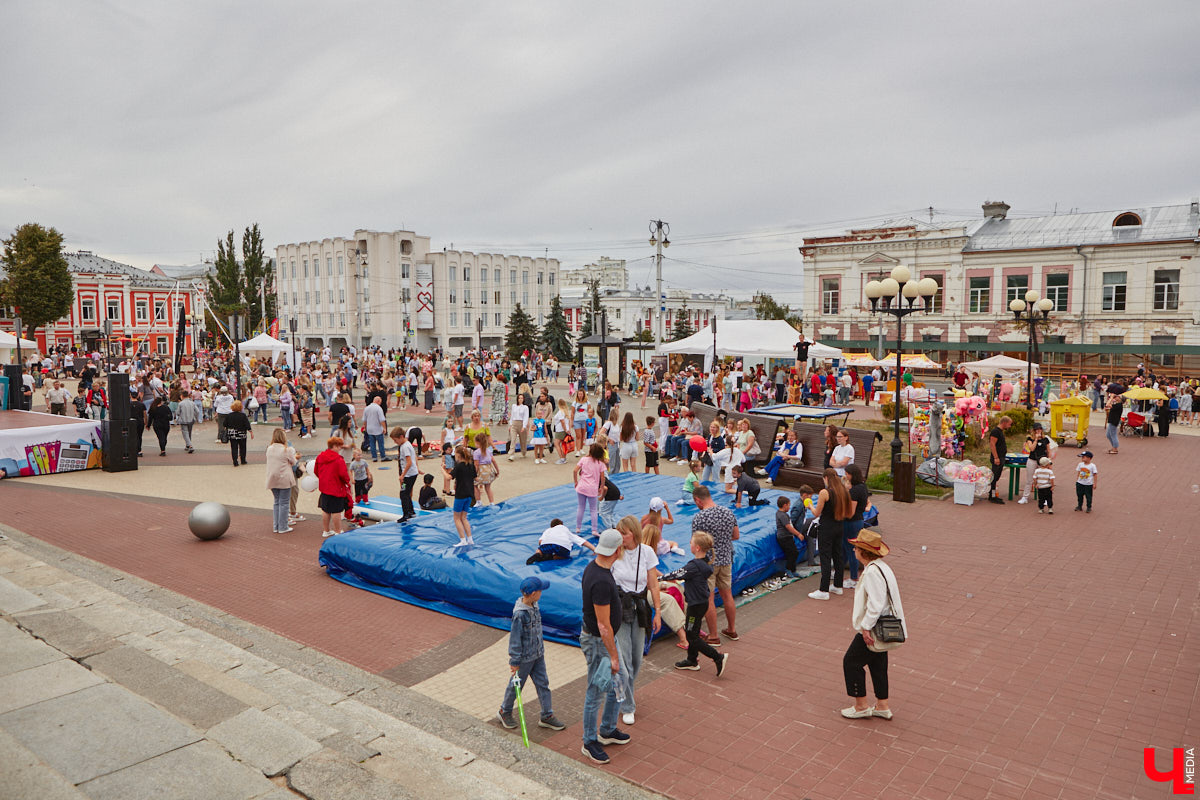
column 145, row 130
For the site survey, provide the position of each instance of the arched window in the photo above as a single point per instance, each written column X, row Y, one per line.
column 1127, row 219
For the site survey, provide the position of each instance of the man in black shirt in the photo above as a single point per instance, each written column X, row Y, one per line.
column 337, row 411
column 801, row 356
column 601, row 621
column 999, row 449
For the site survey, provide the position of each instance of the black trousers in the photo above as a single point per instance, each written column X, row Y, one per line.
column 1045, row 497
column 695, row 616
column 161, row 432
column 791, row 553
column 858, row 655
column 237, row 448
column 1083, row 492
column 997, row 471
column 406, row 490
column 831, row 555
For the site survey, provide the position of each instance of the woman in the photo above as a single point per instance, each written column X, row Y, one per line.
column 333, row 481
column 281, row 462
column 843, row 453
column 860, row 496
column 261, row 398
column 745, row 441
column 627, row 449
column 287, row 405
column 430, row 386
column 589, row 479
column 635, row 572
column 790, row 450
column 878, row 594
column 159, row 418
column 486, row 468
column 579, row 415
column 499, row 399
column 830, row 443
column 716, row 444
column 474, row 429
column 833, row 508
column 345, row 432
column 612, row 432
column 237, row 427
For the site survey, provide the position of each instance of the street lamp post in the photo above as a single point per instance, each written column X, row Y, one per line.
column 1027, row 311
column 294, row 325
column 660, row 233
column 888, row 293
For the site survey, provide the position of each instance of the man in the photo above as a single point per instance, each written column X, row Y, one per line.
column 999, row 449
column 1037, row 446
column 721, row 525
column 56, row 399
column 960, row 378
column 801, row 355
column 597, row 640
column 338, row 410
column 780, row 384
column 477, row 394
column 374, row 426
column 222, row 405
column 407, row 460
column 518, row 427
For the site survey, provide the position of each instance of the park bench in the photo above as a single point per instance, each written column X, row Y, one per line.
column 763, row 428
column 811, row 470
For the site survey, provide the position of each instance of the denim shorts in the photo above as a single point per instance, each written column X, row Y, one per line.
column 462, row 503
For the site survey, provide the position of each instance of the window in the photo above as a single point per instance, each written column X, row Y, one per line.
column 329, row 265
column 617, row 311
column 306, row 298
column 551, row 278
column 512, row 276
column 466, row 297
column 1113, row 297
column 1111, row 359
column 406, row 247
column 317, row 297
column 498, row 323
column 113, row 310
column 496, row 275
column 340, row 268
column 829, row 295
column 1057, row 286
column 341, row 297
column 1126, row 220
column 404, row 295
column 88, row 310
column 1168, row 359
column 466, row 319
column 483, row 273
column 163, row 346
column 541, row 275
column 497, row 297
column 453, row 297
column 452, row 275
column 141, row 310
column 404, row 270
column 939, row 299
column 540, row 302
column 483, row 297
column 980, row 295
column 305, row 263
column 293, row 268
column 453, row 319
column 466, row 274
column 1166, row 292
column 512, row 298
column 1015, row 288
column 160, row 310
column 1054, row 357
column 525, row 278
column 525, row 299
column 981, row 339
column 316, row 267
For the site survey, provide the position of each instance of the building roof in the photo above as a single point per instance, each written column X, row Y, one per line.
column 183, row 271
column 87, row 262
column 1158, row 224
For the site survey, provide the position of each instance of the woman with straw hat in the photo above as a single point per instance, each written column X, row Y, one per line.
column 877, row 593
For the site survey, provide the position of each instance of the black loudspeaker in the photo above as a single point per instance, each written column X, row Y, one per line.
column 13, row 373
column 120, row 432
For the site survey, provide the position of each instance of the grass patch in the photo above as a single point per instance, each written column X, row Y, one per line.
column 881, row 456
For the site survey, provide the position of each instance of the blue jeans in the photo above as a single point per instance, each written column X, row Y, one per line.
column 631, row 642
column 288, row 417
column 1097, row 401
column 1111, row 432
column 850, row 529
column 608, row 513
column 711, row 473
column 614, row 458
column 535, row 669
column 773, row 467
column 283, row 499
column 595, row 653
column 376, row 444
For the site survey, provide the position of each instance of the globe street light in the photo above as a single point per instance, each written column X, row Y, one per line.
column 897, row 295
column 1027, row 311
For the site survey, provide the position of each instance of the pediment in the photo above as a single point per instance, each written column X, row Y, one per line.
column 879, row 260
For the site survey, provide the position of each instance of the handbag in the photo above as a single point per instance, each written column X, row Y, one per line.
column 253, row 404
column 888, row 631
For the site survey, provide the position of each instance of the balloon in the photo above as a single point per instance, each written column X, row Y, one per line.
column 208, row 521
column 309, row 483
column 698, row 443
column 311, row 466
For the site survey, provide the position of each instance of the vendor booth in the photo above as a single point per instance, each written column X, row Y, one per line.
column 1006, row 367
column 264, row 346
column 601, row 351
column 755, row 339
column 8, row 348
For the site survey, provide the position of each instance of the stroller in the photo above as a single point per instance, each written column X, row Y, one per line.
column 1133, row 424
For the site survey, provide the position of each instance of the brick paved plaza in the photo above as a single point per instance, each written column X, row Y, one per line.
column 1046, row 651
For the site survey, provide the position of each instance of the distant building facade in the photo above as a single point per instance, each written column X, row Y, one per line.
column 630, row 311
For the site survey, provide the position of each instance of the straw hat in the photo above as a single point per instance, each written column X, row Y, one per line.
column 871, row 542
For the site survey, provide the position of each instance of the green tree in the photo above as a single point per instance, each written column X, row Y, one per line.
column 37, row 282
column 225, row 285
column 521, row 333
column 682, row 327
column 556, row 336
column 591, row 309
column 258, row 276
column 765, row 307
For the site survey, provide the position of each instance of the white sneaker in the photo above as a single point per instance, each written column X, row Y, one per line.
column 768, row 481
column 512, row 458
column 561, row 461
column 1041, row 511
column 1023, row 501
column 835, row 589
column 627, row 718
column 819, row 595
column 327, row 534
column 850, row 583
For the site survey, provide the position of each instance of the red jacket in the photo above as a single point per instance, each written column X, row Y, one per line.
column 333, row 478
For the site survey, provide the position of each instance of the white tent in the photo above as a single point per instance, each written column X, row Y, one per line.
column 752, row 338
column 8, row 348
column 1004, row 366
column 263, row 344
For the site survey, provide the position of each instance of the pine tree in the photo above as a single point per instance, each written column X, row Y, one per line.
column 37, row 284
column 258, row 275
column 683, row 324
column 556, row 336
column 521, row 333
column 591, row 301
column 225, row 285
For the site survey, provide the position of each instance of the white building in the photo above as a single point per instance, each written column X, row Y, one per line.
column 1123, row 283
column 610, row 273
column 389, row 289
column 629, row 311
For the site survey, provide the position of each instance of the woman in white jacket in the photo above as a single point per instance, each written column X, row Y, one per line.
column 280, row 479
column 876, row 593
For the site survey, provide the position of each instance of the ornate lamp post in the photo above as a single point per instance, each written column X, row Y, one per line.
column 1027, row 311
column 888, row 293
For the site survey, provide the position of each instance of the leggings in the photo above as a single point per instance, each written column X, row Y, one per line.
column 237, row 448
column 585, row 502
column 858, row 655
column 161, row 432
column 830, row 554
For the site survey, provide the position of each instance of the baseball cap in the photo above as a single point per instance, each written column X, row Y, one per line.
column 610, row 540
column 534, row 584
column 1087, row 454
column 657, row 504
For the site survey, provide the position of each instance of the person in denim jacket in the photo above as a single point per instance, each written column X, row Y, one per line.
column 527, row 655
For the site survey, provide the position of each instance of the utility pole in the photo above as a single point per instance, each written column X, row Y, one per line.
column 262, row 302
column 360, row 260
column 659, row 238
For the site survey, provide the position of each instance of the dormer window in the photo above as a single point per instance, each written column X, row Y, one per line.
column 1126, row 220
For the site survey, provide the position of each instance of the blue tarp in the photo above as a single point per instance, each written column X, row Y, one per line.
column 416, row 562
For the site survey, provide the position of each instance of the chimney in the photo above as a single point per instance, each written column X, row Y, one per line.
column 1195, row 205
column 997, row 210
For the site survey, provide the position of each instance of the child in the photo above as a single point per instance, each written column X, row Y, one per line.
column 590, row 426
column 608, row 503
column 1043, row 480
column 527, row 655
column 787, row 534
column 652, row 537
column 539, row 439
column 449, row 439
column 696, row 592
column 463, row 475
column 1085, row 481
column 805, row 521
column 486, row 468
column 650, row 441
column 562, row 429
column 689, row 484
column 555, row 543
column 671, row 603
column 361, row 473
column 744, row 482
column 428, row 499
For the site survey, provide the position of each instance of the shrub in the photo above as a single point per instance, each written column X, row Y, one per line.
column 1022, row 419
column 888, row 410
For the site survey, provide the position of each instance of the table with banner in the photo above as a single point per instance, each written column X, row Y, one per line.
column 34, row 443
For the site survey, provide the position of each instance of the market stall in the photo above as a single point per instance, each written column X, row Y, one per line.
column 265, row 346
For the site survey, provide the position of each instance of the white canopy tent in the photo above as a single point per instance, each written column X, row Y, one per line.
column 8, row 348
column 752, row 338
column 264, row 344
column 1004, row 366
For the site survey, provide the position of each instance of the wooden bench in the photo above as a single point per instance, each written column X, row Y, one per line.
column 763, row 428
column 811, row 470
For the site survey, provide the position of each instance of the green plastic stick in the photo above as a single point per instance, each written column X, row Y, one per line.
column 521, row 710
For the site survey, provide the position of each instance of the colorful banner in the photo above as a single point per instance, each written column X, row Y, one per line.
column 49, row 449
column 424, row 296
column 274, row 329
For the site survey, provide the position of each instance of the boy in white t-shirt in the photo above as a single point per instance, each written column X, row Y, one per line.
column 1085, row 481
column 1043, row 481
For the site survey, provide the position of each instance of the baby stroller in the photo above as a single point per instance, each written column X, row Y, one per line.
column 1133, row 424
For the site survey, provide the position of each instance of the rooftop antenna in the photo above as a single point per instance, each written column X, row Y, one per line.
column 931, row 215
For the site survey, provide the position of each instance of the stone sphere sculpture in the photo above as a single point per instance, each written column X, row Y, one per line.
column 209, row 521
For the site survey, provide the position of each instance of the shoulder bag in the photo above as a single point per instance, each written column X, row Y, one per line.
column 888, row 631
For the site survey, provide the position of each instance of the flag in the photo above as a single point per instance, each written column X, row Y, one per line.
column 274, row 329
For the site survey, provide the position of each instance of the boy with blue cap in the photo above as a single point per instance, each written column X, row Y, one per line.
column 527, row 655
